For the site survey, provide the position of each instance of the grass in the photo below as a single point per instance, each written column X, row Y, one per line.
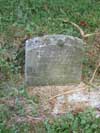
column 42, row 16
column 21, row 18
column 85, row 122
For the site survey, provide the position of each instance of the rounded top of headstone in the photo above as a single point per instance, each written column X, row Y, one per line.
column 59, row 40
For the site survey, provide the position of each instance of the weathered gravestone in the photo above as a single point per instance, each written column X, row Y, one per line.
column 53, row 60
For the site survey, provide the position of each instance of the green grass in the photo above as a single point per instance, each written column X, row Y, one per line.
column 84, row 122
column 42, row 16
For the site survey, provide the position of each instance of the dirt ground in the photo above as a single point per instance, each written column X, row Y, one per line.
column 62, row 99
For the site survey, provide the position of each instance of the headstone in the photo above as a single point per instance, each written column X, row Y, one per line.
column 53, row 60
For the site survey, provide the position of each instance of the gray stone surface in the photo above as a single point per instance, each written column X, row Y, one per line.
column 53, row 60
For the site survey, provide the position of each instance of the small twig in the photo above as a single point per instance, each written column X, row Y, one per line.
column 91, row 34
column 96, row 69
column 66, row 93
column 77, row 26
column 91, row 85
column 80, row 30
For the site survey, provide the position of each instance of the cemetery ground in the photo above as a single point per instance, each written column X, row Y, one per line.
column 21, row 112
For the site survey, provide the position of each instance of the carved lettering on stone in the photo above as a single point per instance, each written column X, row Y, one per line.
column 53, row 60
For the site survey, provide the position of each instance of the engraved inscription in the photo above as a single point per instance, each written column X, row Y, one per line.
column 53, row 60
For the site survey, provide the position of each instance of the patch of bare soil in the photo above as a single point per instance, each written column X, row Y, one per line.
column 16, row 106
column 53, row 100
column 62, row 99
